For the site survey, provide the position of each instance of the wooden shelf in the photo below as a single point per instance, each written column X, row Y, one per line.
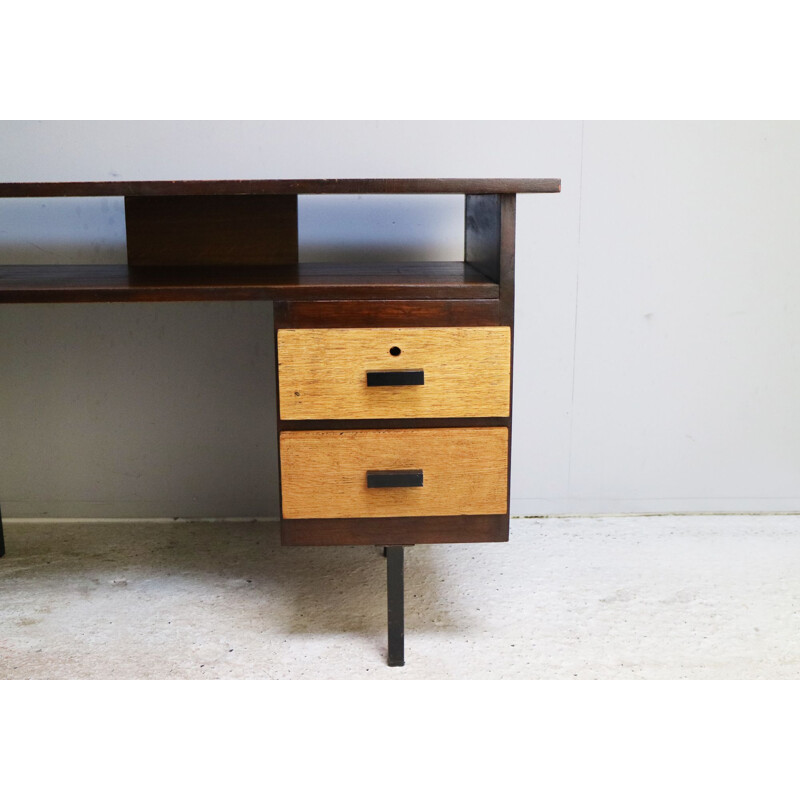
column 424, row 280
column 330, row 186
column 238, row 240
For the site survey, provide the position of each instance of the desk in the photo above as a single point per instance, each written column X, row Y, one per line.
column 393, row 380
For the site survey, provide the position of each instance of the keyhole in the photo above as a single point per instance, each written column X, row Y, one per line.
column 395, row 351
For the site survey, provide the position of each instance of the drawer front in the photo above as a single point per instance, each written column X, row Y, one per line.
column 386, row 373
column 394, row 473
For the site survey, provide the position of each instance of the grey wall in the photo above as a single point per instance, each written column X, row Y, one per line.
column 656, row 347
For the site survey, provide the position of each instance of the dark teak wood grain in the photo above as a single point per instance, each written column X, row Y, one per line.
column 118, row 283
column 387, row 313
column 314, row 186
column 395, row 530
column 211, row 230
column 402, row 422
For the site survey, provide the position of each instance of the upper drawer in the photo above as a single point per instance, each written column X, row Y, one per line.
column 381, row 373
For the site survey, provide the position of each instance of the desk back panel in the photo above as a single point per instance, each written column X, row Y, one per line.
column 211, row 231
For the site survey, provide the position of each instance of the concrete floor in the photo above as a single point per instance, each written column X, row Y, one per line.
column 614, row 597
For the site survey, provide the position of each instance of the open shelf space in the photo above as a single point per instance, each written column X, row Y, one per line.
column 422, row 280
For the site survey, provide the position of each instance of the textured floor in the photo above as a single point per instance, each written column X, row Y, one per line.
column 616, row 597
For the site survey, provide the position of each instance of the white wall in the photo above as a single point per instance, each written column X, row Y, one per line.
column 656, row 350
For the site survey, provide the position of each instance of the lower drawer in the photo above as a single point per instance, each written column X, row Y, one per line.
column 394, row 473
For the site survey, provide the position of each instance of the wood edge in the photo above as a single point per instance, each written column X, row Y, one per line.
column 393, row 422
column 389, row 313
column 121, row 283
column 386, row 531
column 22, row 189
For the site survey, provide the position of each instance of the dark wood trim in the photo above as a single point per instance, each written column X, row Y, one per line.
column 395, row 530
column 278, row 428
column 508, row 229
column 508, row 235
column 118, row 283
column 387, row 313
column 408, row 422
column 328, row 186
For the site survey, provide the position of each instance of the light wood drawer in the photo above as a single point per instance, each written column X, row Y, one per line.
column 323, row 373
column 324, row 474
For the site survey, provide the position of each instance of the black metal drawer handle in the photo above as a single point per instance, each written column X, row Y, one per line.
column 393, row 478
column 396, row 377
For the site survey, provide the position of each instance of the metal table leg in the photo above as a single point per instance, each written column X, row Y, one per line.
column 395, row 605
column 2, row 540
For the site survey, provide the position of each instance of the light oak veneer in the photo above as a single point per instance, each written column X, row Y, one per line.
column 322, row 372
column 323, row 473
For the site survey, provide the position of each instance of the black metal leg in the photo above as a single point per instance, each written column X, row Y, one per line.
column 395, row 603
column 2, row 540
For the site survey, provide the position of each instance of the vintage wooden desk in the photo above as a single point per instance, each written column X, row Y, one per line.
column 393, row 380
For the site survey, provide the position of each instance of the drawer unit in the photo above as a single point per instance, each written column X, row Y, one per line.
column 386, row 373
column 394, row 473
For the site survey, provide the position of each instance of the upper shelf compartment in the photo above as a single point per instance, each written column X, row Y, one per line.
column 229, row 240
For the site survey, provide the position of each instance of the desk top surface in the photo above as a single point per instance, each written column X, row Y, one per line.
column 286, row 187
